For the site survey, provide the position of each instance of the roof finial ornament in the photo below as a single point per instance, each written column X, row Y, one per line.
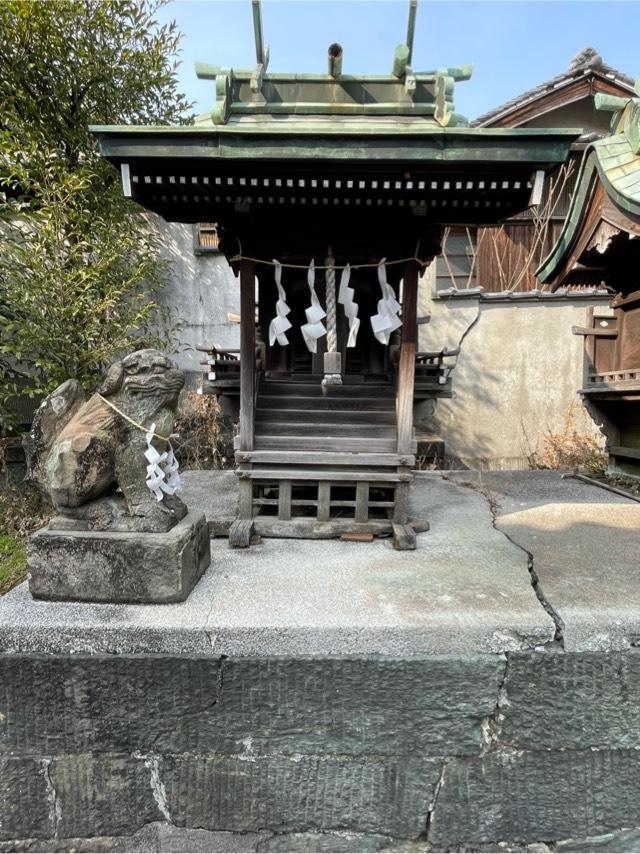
column 588, row 57
column 403, row 53
column 334, row 56
column 411, row 26
column 262, row 53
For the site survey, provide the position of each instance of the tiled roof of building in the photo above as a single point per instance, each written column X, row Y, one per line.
column 586, row 63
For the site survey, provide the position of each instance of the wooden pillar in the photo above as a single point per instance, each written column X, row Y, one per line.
column 247, row 353
column 407, row 364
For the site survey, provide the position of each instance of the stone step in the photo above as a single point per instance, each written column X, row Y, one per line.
column 325, row 403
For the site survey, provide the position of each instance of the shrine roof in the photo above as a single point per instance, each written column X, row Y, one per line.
column 334, row 116
column 614, row 162
column 277, row 140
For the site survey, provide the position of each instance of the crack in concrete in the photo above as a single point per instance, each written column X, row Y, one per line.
column 494, row 509
column 558, row 636
column 431, row 808
column 491, row 725
column 158, row 790
column 55, row 806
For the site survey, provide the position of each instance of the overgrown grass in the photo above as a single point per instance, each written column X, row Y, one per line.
column 13, row 562
column 199, row 428
column 22, row 511
column 569, row 448
column 629, row 484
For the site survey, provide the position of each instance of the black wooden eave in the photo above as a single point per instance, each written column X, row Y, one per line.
column 457, row 177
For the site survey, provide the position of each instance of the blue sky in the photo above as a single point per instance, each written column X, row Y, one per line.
column 512, row 45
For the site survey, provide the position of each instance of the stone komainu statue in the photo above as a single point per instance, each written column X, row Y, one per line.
column 81, row 451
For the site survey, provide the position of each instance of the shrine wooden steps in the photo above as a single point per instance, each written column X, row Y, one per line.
column 297, row 416
column 321, row 465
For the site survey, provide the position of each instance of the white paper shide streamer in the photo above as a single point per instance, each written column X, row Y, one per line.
column 162, row 470
column 345, row 298
column 280, row 323
column 386, row 320
column 313, row 328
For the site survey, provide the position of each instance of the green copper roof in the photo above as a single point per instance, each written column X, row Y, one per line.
column 317, row 144
column 402, row 92
column 241, row 94
column 615, row 161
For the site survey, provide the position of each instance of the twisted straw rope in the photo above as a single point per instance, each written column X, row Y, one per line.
column 240, row 257
column 330, row 300
column 131, row 421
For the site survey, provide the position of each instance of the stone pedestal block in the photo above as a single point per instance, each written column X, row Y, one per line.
column 116, row 566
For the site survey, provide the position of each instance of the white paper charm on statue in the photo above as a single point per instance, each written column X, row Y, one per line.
column 280, row 322
column 162, row 471
column 386, row 320
column 313, row 328
column 345, row 298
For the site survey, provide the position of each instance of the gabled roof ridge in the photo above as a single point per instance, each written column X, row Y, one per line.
column 587, row 61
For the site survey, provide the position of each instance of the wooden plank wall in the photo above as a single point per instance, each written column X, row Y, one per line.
column 502, row 251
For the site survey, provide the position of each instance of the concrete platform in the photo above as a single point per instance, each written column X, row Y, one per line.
column 467, row 588
column 480, row 693
column 584, row 544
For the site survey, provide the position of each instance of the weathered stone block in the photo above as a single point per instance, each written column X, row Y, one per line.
column 157, row 836
column 433, row 705
column 380, row 795
column 527, row 797
column 105, row 795
column 26, row 802
column 573, row 700
column 116, row 704
column 114, row 566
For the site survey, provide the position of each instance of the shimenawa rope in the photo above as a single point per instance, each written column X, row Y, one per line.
column 131, row 421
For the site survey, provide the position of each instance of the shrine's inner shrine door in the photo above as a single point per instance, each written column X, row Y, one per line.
column 367, row 358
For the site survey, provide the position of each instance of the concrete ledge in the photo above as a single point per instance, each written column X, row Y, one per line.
column 453, row 594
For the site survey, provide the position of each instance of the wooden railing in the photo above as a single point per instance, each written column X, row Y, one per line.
column 631, row 375
column 433, row 372
column 222, row 369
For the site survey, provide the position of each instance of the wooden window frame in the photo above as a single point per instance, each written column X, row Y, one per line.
column 198, row 247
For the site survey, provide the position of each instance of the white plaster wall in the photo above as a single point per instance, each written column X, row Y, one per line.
column 518, row 373
column 201, row 292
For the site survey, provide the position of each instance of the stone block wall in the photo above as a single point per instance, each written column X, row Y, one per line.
column 139, row 752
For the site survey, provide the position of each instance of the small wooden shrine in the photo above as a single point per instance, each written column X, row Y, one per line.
column 330, row 192
column 600, row 243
